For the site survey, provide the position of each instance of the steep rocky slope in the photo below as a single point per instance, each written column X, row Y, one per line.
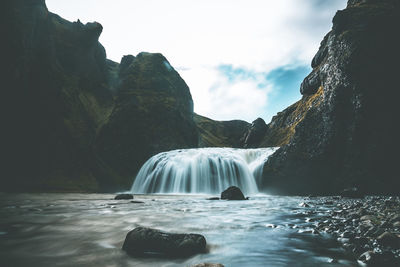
column 350, row 137
column 56, row 99
column 153, row 112
column 75, row 121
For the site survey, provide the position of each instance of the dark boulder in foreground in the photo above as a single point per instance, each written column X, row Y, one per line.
column 146, row 241
column 233, row 193
column 123, row 196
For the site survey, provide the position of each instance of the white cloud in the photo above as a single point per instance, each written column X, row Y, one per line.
column 198, row 36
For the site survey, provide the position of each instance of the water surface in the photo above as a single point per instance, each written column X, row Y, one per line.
column 89, row 230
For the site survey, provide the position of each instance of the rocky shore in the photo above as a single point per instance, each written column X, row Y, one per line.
column 368, row 228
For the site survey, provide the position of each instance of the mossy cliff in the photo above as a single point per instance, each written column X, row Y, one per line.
column 75, row 121
column 153, row 112
column 348, row 136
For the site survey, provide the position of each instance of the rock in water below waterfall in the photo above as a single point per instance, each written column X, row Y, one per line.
column 208, row 265
column 146, row 241
column 123, row 196
column 233, row 193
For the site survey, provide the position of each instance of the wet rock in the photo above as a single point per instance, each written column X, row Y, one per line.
column 304, row 205
column 137, row 202
column 213, row 198
column 232, row 193
column 396, row 224
column 208, row 265
column 123, row 196
column 374, row 258
column 395, row 218
column 147, row 241
column 389, row 239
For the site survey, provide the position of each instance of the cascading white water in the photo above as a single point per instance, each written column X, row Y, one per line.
column 202, row 170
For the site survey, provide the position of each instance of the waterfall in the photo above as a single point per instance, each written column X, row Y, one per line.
column 202, row 170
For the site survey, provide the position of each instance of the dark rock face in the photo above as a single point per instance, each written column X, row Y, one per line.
column 255, row 133
column 220, row 133
column 232, row 193
column 77, row 121
column 146, row 241
column 123, row 196
column 153, row 113
column 349, row 138
column 56, row 99
column 282, row 126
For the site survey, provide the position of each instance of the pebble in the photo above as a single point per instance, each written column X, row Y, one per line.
column 367, row 228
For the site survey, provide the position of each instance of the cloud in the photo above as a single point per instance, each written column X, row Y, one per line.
column 201, row 37
column 226, row 90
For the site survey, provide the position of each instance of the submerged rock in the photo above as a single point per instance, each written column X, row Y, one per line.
column 123, row 196
column 213, row 198
column 208, row 265
column 233, row 193
column 147, row 241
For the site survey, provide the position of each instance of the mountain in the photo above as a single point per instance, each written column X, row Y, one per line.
column 220, row 133
column 75, row 121
column 348, row 134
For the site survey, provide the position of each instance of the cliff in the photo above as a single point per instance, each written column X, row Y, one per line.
column 348, row 136
column 153, row 112
column 75, row 121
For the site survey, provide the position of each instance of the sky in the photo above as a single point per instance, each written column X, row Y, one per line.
column 242, row 59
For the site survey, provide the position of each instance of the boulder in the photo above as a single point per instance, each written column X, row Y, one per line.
column 147, row 241
column 123, row 196
column 232, row 193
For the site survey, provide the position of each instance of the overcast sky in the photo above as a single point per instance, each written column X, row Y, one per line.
column 241, row 59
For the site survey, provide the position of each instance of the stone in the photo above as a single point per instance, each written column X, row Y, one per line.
column 213, row 198
column 123, row 196
column 232, row 193
column 389, row 239
column 208, row 265
column 146, row 241
column 378, row 259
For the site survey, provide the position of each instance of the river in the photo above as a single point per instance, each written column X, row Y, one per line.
column 89, row 230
